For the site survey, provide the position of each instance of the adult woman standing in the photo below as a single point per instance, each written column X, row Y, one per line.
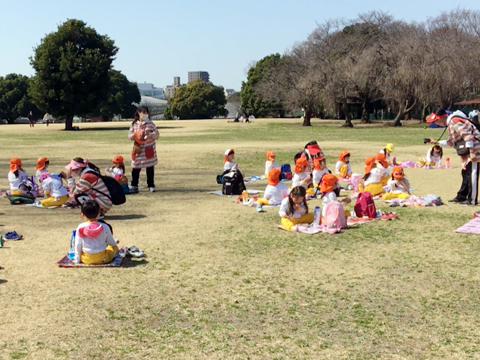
column 144, row 133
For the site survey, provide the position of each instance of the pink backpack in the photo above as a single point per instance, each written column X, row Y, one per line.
column 334, row 218
column 365, row 206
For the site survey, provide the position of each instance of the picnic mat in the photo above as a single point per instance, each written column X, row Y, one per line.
column 311, row 230
column 250, row 192
column 42, row 207
column 253, row 178
column 66, row 262
column 471, row 227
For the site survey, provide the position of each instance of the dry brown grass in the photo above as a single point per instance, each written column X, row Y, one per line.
column 220, row 280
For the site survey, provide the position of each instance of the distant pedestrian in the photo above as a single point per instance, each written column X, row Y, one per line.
column 30, row 119
column 46, row 118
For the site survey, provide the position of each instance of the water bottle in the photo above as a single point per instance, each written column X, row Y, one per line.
column 1, row 241
column 244, row 196
column 317, row 216
column 447, row 163
column 71, row 253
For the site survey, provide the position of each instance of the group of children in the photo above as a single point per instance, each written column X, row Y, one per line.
column 311, row 178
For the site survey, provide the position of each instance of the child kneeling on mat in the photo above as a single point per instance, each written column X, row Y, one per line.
column 398, row 185
column 275, row 190
column 294, row 209
column 94, row 242
column 55, row 193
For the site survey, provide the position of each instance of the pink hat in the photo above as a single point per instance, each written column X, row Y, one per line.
column 74, row 165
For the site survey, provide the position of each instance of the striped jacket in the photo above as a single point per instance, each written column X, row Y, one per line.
column 148, row 154
column 460, row 128
column 89, row 184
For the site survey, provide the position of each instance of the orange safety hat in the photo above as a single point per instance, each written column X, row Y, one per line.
column 316, row 163
column 397, row 172
column 369, row 161
column 269, row 154
column 117, row 159
column 15, row 164
column 274, row 176
column 228, row 152
column 328, row 183
column 41, row 162
column 382, row 159
column 342, row 155
column 301, row 162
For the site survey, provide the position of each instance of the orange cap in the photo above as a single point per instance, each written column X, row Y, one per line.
column 382, row 159
column 274, row 176
column 41, row 163
column 269, row 154
column 397, row 172
column 228, row 152
column 328, row 183
column 117, row 159
column 369, row 161
column 15, row 163
column 316, row 163
column 342, row 154
column 301, row 162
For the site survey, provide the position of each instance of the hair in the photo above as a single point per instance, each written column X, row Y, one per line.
column 136, row 117
column 90, row 209
column 16, row 173
column 89, row 164
column 366, row 176
column 385, row 151
column 119, row 165
column 438, row 147
column 296, row 191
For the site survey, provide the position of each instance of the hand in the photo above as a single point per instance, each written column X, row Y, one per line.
column 69, row 173
column 473, row 156
column 431, row 141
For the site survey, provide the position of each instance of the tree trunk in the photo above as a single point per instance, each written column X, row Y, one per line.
column 307, row 114
column 398, row 119
column 69, row 122
column 348, row 118
column 365, row 114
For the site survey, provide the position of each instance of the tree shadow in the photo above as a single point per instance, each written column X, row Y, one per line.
column 129, row 263
column 125, row 217
column 125, row 128
column 2, row 281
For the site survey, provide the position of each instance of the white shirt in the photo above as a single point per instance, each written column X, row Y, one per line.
column 386, row 171
column 437, row 159
column 395, row 186
column 376, row 175
column 339, row 165
column 93, row 245
column 53, row 185
column 298, row 180
column 229, row 165
column 274, row 193
column 40, row 172
column 15, row 182
column 114, row 171
column 384, row 152
column 327, row 199
column 269, row 165
column 317, row 175
column 296, row 213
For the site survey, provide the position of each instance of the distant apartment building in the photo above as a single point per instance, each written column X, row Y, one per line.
column 229, row 92
column 147, row 89
column 194, row 75
column 170, row 89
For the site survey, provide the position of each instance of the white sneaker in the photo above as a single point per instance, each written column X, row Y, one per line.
column 133, row 189
column 152, row 189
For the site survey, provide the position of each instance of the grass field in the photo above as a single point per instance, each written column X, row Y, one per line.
column 220, row 281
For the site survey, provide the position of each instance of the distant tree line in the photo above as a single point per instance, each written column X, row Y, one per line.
column 371, row 63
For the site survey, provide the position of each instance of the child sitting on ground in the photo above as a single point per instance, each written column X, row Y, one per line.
column 327, row 187
column 275, row 190
column 270, row 163
column 17, row 177
column 230, row 163
column 94, row 242
column 118, row 169
column 294, row 209
column 42, row 165
column 399, row 187
column 55, row 193
column 319, row 170
column 387, row 151
column 374, row 177
column 301, row 176
column 342, row 167
column 433, row 159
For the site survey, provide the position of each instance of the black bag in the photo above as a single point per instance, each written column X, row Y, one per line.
column 233, row 183
column 116, row 193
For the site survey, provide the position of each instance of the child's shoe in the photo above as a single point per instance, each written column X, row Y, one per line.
column 151, row 189
column 259, row 208
column 385, row 216
column 12, row 235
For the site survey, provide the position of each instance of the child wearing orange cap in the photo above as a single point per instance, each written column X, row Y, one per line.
column 374, row 177
column 301, row 176
column 118, row 168
column 275, row 190
column 16, row 177
column 382, row 164
column 342, row 167
column 294, row 209
column 41, row 168
column 398, row 185
column 270, row 163
column 327, row 187
column 319, row 170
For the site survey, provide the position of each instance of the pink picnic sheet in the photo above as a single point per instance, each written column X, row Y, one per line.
column 471, row 227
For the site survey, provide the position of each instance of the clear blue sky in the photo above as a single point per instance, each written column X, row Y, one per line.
column 161, row 39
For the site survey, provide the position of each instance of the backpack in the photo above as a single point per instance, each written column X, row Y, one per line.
column 21, row 199
column 365, row 206
column 334, row 218
column 115, row 190
column 232, row 185
column 285, row 172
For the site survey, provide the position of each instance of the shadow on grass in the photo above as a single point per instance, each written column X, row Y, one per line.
column 2, row 281
column 125, row 217
column 123, row 128
column 129, row 263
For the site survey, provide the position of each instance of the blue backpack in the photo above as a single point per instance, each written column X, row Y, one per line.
column 285, row 172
